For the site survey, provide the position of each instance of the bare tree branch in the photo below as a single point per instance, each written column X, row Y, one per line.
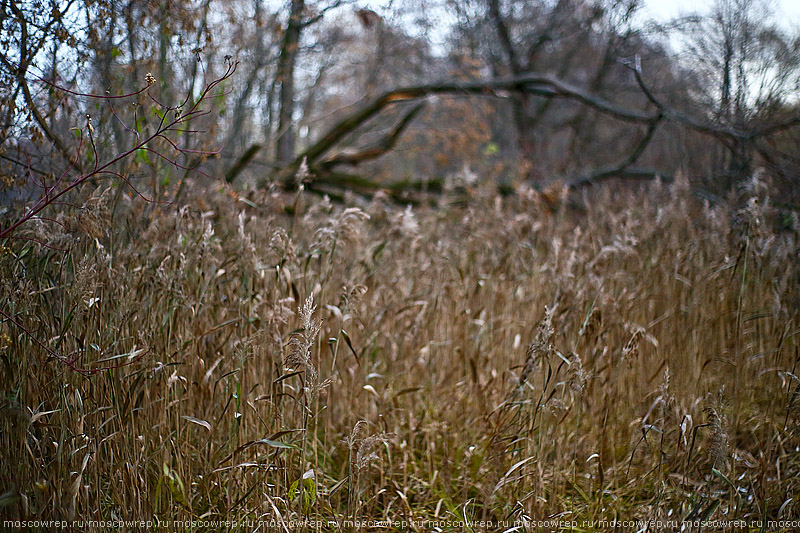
column 386, row 144
column 242, row 162
column 530, row 83
column 542, row 85
column 622, row 168
column 505, row 36
column 20, row 72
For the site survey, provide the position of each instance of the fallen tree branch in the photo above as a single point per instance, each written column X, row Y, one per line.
column 332, row 182
column 714, row 129
column 376, row 150
column 242, row 162
column 633, row 174
column 621, row 170
column 531, row 83
column 537, row 84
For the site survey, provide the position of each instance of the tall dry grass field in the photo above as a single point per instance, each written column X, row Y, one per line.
column 475, row 361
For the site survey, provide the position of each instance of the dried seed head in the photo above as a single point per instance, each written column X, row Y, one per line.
column 94, row 218
column 577, row 375
column 324, row 238
column 306, row 313
column 355, row 436
column 362, row 450
column 244, row 236
column 301, row 344
column 303, row 173
column 631, row 349
column 282, row 311
column 86, row 280
column 540, row 348
column 350, row 298
column 348, row 225
column 556, row 406
column 365, row 455
column 405, row 224
column 718, row 446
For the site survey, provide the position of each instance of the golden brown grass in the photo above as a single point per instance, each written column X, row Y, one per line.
column 483, row 361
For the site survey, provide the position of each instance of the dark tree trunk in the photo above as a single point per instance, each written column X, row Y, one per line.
column 285, row 76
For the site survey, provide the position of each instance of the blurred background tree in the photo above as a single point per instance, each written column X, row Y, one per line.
column 725, row 79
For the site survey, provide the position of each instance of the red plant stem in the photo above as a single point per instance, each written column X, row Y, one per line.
column 49, row 198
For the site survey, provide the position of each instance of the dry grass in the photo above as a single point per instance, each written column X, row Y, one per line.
column 487, row 360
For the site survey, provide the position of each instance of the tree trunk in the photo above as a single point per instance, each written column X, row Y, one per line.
column 163, row 49
column 285, row 76
column 237, row 136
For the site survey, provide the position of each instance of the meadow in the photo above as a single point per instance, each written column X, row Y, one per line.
column 477, row 362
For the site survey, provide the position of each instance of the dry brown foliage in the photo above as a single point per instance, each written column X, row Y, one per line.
column 488, row 360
